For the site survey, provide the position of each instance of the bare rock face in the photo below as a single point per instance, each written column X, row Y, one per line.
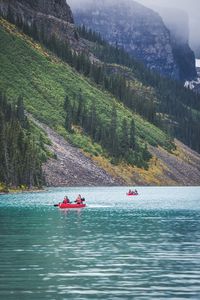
column 137, row 29
column 177, row 21
column 52, row 17
column 56, row 8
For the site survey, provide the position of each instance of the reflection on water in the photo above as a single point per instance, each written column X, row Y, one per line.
column 117, row 248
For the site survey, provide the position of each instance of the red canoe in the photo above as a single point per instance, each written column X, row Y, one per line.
column 71, row 205
column 131, row 194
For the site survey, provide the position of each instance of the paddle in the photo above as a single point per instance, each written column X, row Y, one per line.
column 56, row 205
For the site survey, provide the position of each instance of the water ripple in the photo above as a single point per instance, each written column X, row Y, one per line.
column 146, row 248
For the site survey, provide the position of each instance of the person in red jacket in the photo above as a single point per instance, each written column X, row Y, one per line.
column 66, row 200
column 79, row 200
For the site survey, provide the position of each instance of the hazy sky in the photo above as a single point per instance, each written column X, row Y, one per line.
column 192, row 7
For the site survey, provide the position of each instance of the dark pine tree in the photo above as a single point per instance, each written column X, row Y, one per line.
column 113, row 142
column 132, row 135
column 124, row 141
column 69, row 114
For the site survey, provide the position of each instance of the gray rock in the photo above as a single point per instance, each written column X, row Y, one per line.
column 53, row 17
column 141, row 32
column 56, row 8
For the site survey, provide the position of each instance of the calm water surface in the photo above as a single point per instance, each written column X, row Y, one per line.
column 119, row 247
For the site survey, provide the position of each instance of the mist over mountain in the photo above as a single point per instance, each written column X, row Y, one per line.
column 142, row 33
column 177, row 21
column 170, row 12
column 189, row 7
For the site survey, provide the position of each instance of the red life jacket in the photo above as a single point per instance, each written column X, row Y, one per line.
column 79, row 201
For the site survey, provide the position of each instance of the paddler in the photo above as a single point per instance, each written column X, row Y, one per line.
column 79, row 199
column 66, row 200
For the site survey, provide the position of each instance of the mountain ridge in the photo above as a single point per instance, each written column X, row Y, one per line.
column 53, row 18
column 141, row 32
column 57, row 8
column 48, row 106
column 45, row 80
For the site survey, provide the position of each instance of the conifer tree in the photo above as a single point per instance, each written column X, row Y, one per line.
column 93, row 120
column 113, row 137
column 68, row 121
column 79, row 113
column 124, row 142
column 69, row 114
column 20, row 160
column 66, row 104
column 132, row 135
column 20, row 112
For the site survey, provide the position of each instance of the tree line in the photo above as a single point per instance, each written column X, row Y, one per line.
column 177, row 110
column 119, row 140
column 20, row 160
column 116, row 84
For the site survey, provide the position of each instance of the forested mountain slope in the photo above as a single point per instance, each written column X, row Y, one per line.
column 98, row 98
column 22, row 148
column 141, row 32
column 46, row 82
column 163, row 102
column 168, row 105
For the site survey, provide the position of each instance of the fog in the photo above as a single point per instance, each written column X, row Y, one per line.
column 190, row 7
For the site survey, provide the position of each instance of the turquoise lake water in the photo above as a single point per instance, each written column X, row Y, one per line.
column 118, row 247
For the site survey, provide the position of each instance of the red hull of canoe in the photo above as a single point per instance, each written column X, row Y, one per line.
column 131, row 194
column 71, row 205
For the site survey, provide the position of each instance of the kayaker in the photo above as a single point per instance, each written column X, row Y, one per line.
column 66, row 200
column 79, row 200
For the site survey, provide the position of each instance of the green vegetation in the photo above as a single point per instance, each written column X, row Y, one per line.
column 44, row 81
column 171, row 99
column 21, row 152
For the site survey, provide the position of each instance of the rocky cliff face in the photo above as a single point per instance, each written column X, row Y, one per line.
column 185, row 60
column 140, row 31
column 177, row 22
column 53, row 17
column 56, row 8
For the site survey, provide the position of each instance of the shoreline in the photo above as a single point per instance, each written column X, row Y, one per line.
column 18, row 191
column 39, row 190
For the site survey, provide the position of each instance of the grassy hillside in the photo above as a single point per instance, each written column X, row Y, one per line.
column 43, row 80
column 161, row 101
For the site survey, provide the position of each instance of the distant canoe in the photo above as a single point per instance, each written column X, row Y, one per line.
column 132, row 194
column 70, row 205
